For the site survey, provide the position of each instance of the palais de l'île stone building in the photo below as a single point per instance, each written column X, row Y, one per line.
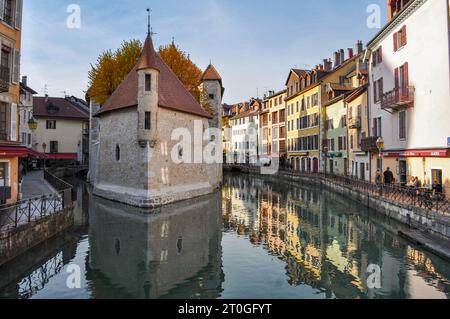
column 131, row 136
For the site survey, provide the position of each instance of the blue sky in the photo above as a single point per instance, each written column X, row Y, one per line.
column 253, row 43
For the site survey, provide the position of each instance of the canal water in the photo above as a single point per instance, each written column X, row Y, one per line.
column 254, row 239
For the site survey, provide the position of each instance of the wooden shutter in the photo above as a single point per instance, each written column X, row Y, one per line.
column 374, row 128
column 404, row 38
column 395, row 42
column 16, row 67
column 13, row 122
column 381, row 88
column 18, row 18
column 396, row 76
column 380, row 54
column 406, row 74
column 374, row 92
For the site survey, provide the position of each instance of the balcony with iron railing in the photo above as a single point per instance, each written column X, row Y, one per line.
column 4, row 79
column 354, row 123
column 400, row 97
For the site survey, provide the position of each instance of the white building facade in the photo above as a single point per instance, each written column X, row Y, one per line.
column 410, row 91
column 27, row 136
column 245, row 136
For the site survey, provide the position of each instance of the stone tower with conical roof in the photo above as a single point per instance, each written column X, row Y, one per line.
column 148, row 88
column 212, row 90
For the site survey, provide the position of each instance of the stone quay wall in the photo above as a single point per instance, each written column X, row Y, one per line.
column 16, row 242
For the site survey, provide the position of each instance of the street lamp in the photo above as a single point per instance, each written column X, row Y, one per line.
column 380, row 146
column 32, row 124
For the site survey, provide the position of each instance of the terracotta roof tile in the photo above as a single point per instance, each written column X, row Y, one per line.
column 211, row 74
column 57, row 107
column 172, row 92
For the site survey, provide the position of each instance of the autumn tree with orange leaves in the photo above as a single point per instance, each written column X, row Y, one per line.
column 111, row 69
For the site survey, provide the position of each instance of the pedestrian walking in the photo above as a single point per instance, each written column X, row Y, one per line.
column 388, row 176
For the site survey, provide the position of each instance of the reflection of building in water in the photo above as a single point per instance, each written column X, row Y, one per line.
column 303, row 235
column 436, row 284
column 140, row 255
column 244, row 217
column 272, row 221
column 328, row 243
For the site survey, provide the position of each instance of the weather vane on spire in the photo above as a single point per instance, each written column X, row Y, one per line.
column 150, row 29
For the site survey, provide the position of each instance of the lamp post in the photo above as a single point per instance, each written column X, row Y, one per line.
column 44, row 146
column 380, row 146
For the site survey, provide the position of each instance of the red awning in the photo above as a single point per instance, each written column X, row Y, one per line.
column 7, row 151
column 62, row 156
column 57, row 156
column 418, row 153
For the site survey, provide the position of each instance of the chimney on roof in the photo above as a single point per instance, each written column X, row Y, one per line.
column 24, row 80
column 342, row 55
column 336, row 59
column 359, row 47
column 350, row 53
column 327, row 65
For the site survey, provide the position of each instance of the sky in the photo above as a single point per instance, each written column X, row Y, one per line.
column 252, row 43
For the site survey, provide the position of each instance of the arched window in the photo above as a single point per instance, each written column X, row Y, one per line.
column 117, row 153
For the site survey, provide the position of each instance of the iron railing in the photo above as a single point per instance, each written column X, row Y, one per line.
column 30, row 210
column 398, row 97
column 56, row 182
column 420, row 198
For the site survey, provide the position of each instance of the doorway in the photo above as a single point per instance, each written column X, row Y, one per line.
column 316, row 165
column 362, row 171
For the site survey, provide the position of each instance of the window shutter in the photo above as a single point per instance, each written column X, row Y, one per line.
column 396, row 76
column 404, row 38
column 16, row 67
column 381, row 88
column 18, row 19
column 374, row 62
column 380, row 54
column 13, row 122
column 406, row 74
column 374, row 127
column 374, row 92
column 395, row 42
column 2, row 9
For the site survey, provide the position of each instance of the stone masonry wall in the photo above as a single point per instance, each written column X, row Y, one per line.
column 16, row 242
column 147, row 177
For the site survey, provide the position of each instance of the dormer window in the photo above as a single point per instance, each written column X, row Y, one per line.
column 148, row 82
